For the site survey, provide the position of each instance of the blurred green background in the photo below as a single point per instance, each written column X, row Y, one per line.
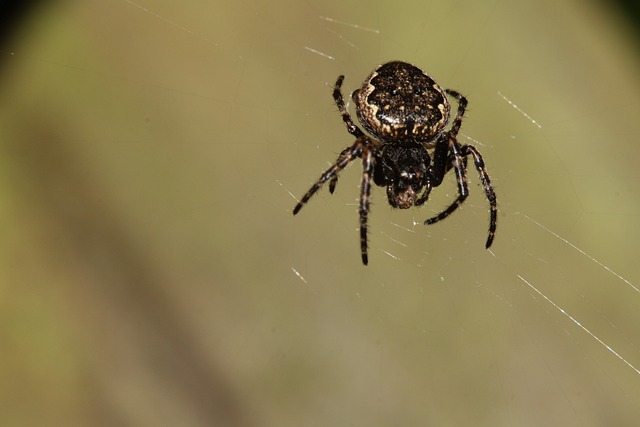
column 151, row 272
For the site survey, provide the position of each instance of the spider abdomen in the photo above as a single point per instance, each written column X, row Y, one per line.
column 399, row 102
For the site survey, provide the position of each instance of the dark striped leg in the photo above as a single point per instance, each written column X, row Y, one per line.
column 463, row 192
column 456, row 158
column 427, row 190
column 368, row 163
column 346, row 117
column 488, row 190
column 334, row 180
column 462, row 106
column 346, row 157
column 461, row 178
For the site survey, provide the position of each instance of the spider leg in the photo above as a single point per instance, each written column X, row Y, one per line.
column 346, row 157
column 463, row 152
column 488, row 189
column 346, row 117
column 444, row 159
column 448, row 152
column 368, row 163
column 428, row 186
column 334, row 180
column 332, row 184
column 460, row 155
column 462, row 106
column 461, row 177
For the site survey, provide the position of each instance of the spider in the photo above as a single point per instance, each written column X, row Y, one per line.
column 405, row 113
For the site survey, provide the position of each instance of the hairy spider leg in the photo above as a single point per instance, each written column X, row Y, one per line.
column 463, row 189
column 363, row 147
column 488, row 189
column 443, row 161
column 368, row 163
column 346, row 118
column 334, row 180
column 346, row 157
column 458, row 160
column 427, row 190
column 462, row 106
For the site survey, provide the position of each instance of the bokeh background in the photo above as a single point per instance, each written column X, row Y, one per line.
column 152, row 274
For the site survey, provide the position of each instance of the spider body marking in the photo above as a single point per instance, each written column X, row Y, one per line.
column 406, row 113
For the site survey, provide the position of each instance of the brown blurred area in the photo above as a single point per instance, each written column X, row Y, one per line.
column 151, row 272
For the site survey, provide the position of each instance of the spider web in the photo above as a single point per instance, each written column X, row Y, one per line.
column 149, row 178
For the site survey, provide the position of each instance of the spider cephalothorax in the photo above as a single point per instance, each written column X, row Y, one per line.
column 404, row 170
column 406, row 113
